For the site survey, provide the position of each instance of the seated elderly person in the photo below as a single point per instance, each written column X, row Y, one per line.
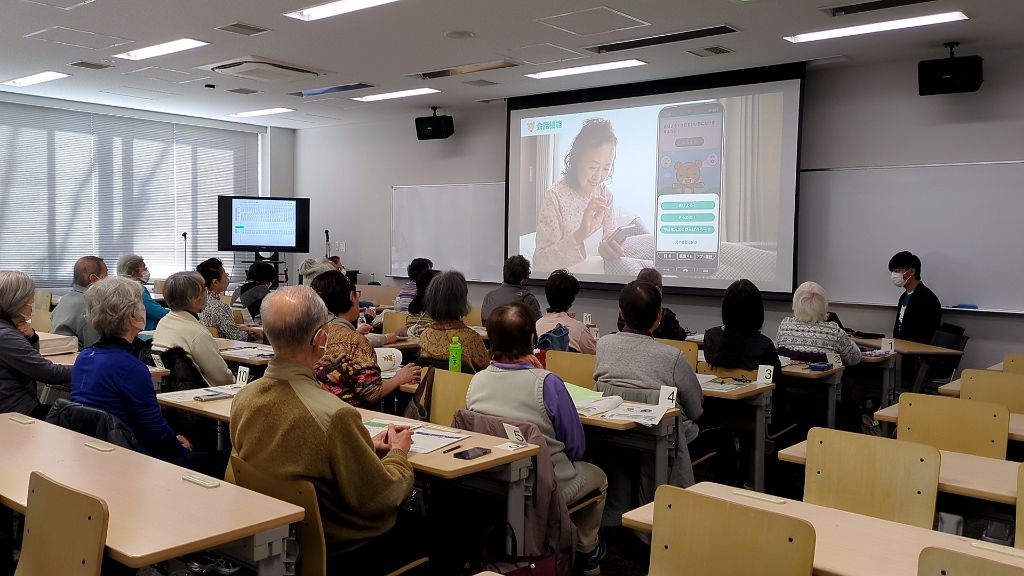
column 21, row 366
column 348, row 368
column 134, row 267
column 109, row 377
column 185, row 293
column 217, row 314
column 515, row 274
column 69, row 315
column 447, row 302
column 514, row 386
column 669, row 328
column 259, row 278
column 418, row 318
column 561, row 290
column 285, row 424
column 410, row 289
column 808, row 335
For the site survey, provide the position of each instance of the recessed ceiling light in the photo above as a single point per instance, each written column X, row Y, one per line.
column 878, row 27
column 459, row 35
column 264, row 112
column 587, row 69
column 161, row 49
column 401, row 94
column 35, row 79
column 334, row 9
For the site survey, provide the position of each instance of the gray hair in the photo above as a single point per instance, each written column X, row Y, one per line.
column 128, row 264
column 810, row 302
column 110, row 303
column 87, row 266
column 16, row 289
column 651, row 276
column 310, row 268
column 182, row 288
column 291, row 316
column 447, row 297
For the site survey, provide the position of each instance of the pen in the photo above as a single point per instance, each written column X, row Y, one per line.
column 452, row 449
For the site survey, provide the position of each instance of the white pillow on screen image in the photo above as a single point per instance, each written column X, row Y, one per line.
column 389, row 360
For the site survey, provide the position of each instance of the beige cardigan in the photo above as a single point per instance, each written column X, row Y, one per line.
column 180, row 329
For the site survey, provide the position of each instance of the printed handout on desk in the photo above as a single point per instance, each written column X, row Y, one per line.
column 199, row 394
column 426, row 440
column 596, row 406
column 581, row 394
column 378, row 425
column 251, row 352
column 716, row 384
column 231, row 389
column 645, row 414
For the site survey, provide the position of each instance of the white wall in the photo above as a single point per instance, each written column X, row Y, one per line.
column 853, row 116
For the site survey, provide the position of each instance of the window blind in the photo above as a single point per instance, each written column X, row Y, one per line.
column 77, row 183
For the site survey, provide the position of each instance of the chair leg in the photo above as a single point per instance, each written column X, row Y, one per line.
column 922, row 371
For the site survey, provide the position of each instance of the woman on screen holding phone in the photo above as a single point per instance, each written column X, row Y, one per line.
column 580, row 203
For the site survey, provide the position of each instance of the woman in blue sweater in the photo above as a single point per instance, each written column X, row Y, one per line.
column 107, row 376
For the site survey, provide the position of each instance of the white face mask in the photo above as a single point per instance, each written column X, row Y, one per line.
column 145, row 275
column 140, row 324
column 323, row 347
column 898, row 279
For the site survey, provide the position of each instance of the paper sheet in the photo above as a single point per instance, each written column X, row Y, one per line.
column 596, row 406
column 717, row 384
column 645, row 414
column 427, row 440
column 581, row 394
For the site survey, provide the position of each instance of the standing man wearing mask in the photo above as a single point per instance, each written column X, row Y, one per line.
column 134, row 267
column 919, row 313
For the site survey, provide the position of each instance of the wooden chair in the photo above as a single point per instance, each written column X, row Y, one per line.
column 42, row 320
column 225, row 298
column 942, row 562
column 214, row 331
column 313, row 550
column 1004, row 388
column 738, row 373
column 394, row 321
column 689, row 349
column 971, row 427
column 1013, row 363
column 65, row 531
column 238, row 316
column 890, row 479
column 474, row 318
column 713, row 537
column 158, row 286
column 448, row 395
column 572, row 367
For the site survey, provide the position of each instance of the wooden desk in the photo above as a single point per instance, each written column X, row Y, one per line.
column 963, row 474
column 158, row 374
column 848, row 544
column 514, row 466
column 228, row 351
column 759, row 395
column 407, row 343
column 953, row 388
column 894, row 369
column 833, row 378
column 891, row 414
column 155, row 515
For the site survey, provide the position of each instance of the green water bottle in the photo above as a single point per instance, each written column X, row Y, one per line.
column 455, row 355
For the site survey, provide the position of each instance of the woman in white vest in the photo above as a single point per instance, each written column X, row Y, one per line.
column 515, row 386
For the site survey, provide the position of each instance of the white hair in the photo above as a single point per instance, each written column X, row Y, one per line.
column 16, row 289
column 810, row 302
column 291, row 316
column 129, row 264
column 182, row 288
column 110, row 303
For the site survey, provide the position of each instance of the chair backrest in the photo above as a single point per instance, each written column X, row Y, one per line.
column 1004, row 388
column 184, row 373
column 237, row 315
column 474, row 318
column 739, row 373
column 953, row 424
column 42, row 320
column 448, row 395
column 394, row 321
column 214, row 331
column 1013, row 363
column 313, row 558
column 942, row 562
column 689, row 349
column 65, row 530
column 93, row 422
column 713, row 537
column 379, row 295
column 890, row 479
column 572, row 367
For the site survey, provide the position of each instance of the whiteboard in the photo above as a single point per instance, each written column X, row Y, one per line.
column 458, row 226
column 963, row 220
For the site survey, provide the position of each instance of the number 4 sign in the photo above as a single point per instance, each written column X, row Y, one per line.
column 667, row 396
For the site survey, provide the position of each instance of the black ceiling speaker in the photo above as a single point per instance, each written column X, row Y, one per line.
column 434, row 127
column 949, row 75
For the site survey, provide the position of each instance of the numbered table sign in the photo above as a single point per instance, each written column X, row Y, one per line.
column 765, row 373
column 667, row 396
column 514, row 434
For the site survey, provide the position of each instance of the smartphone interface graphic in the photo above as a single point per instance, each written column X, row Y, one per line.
column 689, row 188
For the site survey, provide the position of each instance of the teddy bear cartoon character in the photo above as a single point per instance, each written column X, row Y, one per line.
column 688, row 176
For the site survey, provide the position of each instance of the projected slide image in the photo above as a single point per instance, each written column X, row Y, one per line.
column 689, row 187
column 261, row 223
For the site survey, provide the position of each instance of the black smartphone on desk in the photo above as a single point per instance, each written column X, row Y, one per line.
column 471, row 453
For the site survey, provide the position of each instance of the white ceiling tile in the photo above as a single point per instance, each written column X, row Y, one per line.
column 592, row 21
column 78, row 38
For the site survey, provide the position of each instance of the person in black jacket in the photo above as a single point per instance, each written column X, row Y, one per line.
column 669, row 328
column 738, row 342
column 919, row 313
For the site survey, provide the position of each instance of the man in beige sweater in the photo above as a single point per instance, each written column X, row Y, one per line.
column 286, row 425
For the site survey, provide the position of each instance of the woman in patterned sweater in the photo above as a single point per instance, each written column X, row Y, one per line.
column 447, row 302
column 807, row 336
column 216, row 313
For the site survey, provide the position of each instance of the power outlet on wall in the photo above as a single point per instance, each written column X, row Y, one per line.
column 339, row 246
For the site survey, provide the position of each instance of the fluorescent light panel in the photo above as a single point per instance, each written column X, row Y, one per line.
column 35, row 79
column 264, row 112
column 401, row 94
column 334, row 9
column 879, row 27
column 162, row 49
column 587, row 69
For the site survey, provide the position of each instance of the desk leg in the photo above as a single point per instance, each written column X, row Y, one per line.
column 897, row 379
column 7, row 538
column 516, row 514
column 834, row 389
column 223, row 436
column 761, row 404
column 660, row 460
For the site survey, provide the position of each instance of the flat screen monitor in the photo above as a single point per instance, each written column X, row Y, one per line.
column 262, row 224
